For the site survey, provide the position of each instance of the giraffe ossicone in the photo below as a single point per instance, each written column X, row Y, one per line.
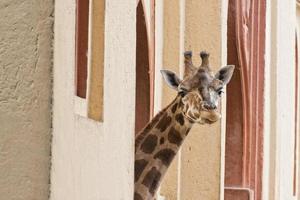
column 196, row 102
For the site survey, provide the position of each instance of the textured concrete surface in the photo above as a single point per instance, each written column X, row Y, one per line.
column 171, row 61
column 197, row 172
column 93, row 160
column 25, row 90
column 201, row 153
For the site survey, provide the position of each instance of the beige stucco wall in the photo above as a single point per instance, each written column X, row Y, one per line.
column 201, row 154
column 170, row 59
column 197, row 172
column 93, row 160
column 25, row 98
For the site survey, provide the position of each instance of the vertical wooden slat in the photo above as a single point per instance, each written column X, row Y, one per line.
column 82, row 25
column 96, row 85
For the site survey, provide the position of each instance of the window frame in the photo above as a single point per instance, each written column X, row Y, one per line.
column 89, row 76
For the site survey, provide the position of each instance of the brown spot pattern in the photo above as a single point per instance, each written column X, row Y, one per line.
column 139, row 166
column 180, row 119
column 174, row 108
column 145, row 131
column 165, row 155
column 174, row 136
column 137, row 196
column 162, row 140
column 149, row 144
column 152, row 179
column 164, row 123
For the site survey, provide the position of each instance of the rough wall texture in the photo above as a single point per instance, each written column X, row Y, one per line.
column 201, row 152
column 25, row 98
column 197, row 174
column 171, row 61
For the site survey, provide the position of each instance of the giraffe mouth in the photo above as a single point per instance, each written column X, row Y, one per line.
column 207, row 121
column 209, row 117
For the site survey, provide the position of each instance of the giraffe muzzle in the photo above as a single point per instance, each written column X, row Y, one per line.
column 210, row 116
column 209, row 106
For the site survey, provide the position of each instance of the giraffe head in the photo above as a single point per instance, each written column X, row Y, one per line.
column 200, row 89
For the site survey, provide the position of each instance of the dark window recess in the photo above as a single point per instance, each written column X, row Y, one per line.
column 82, row 25
column 142, row 111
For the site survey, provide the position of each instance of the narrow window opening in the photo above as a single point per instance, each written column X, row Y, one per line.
column 234, row 114
column 143, row 101
column 82, row 26
column 89, row 57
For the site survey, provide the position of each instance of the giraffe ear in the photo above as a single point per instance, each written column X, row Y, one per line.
column 171, row 79
column 225, row 74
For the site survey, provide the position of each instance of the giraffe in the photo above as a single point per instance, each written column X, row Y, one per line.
column 197, row 99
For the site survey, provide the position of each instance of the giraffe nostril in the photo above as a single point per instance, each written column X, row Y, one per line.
column 206, row 106
column 210, row 106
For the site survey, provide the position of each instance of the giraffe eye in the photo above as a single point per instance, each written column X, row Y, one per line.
column 182, row 94
column 220, row 92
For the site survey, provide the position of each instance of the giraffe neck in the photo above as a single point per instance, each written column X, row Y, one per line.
column 156, row 146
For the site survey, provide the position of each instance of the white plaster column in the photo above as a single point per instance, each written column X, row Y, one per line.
column 93, row 160
column 279, row 101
